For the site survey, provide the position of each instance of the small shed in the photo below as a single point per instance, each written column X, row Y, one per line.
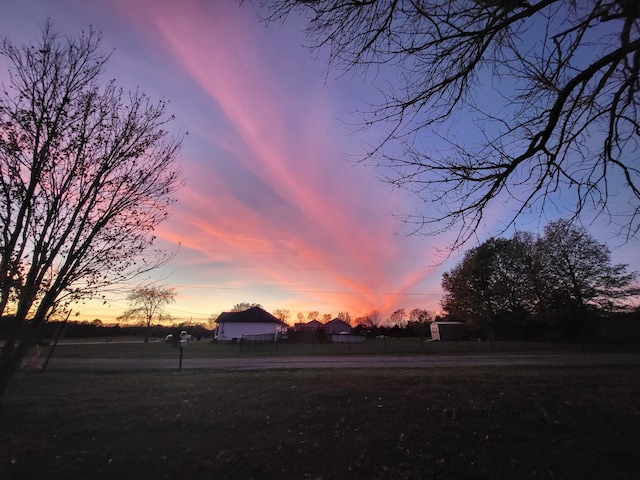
column 448, row 331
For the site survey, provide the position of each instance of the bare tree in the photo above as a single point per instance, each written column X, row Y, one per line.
column 147, row 303
column 212, row 320
column 398, row 318
column 282, row 314
column 548, row 91
column 370, row 321
column 242, row 306
column 86, row 173
column 420, row 315
column 344, row 316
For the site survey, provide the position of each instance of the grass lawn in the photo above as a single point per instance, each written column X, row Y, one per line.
column 134, row 347
column 455, row 423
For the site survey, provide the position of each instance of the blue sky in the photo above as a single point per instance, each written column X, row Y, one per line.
column 273, row 210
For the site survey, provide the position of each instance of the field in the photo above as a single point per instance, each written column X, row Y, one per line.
column 450, row 423
column 133, row 347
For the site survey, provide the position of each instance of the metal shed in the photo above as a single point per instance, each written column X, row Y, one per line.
column 448, row 331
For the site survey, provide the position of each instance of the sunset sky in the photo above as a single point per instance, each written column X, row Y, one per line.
column 273, row 211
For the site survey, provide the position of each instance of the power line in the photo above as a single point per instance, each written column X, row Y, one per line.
column 345, row 292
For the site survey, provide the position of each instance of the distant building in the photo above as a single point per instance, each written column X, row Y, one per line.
column 448, row 331
column 336, row 331
column 254, row 322
column 336, row 326
column 308, row 327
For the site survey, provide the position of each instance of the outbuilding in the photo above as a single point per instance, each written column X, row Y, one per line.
column 448, row 331
column 337, row 326
column 253, row 322
column 311, row 326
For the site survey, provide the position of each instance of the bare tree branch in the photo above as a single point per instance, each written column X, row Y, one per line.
column 86, row 174
column 550, row 86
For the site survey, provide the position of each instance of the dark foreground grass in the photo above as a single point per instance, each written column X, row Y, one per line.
column 499, row 423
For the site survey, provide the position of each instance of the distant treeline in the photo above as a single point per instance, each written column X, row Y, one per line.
column 620, row 328
column 594, row 327
column 51, row 330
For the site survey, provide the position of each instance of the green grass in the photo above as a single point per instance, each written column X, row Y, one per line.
column 99, row 348
column 499, row 423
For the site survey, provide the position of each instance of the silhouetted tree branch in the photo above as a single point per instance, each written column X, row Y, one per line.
column 551, row 88
column 86, row 174
column 147, row 303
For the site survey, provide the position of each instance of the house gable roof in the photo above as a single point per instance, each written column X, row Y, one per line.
column 336, row 322
column 313, row 324
column 309, row 326
column 251, row 315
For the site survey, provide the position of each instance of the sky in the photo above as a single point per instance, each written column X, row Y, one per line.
column 274, row 209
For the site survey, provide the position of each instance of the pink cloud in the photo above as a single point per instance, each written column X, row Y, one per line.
column 271, row 211
column 270, row 191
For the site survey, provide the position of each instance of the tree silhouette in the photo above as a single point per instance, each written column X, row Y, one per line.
column 147, row 303
column 86, row 174
column 548, row 91
column 282, row 314
column 565, row 272
column 242, row 306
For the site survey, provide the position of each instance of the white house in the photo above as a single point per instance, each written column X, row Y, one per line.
column 254, row 322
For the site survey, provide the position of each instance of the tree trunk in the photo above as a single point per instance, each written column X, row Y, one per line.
column 15, row 348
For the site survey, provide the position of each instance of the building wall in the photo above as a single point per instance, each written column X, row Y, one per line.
column 339, row 326
column 448, row 331
column 347, row 338
column 227, row 331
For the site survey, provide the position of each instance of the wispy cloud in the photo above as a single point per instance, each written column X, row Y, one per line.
column 271, row 211
column 270, row 201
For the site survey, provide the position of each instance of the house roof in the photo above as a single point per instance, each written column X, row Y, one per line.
column 308, row 326
column 312, row 323
column 252, row 315
column 337, row 322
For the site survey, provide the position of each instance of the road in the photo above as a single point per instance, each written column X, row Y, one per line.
column 355, row 361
